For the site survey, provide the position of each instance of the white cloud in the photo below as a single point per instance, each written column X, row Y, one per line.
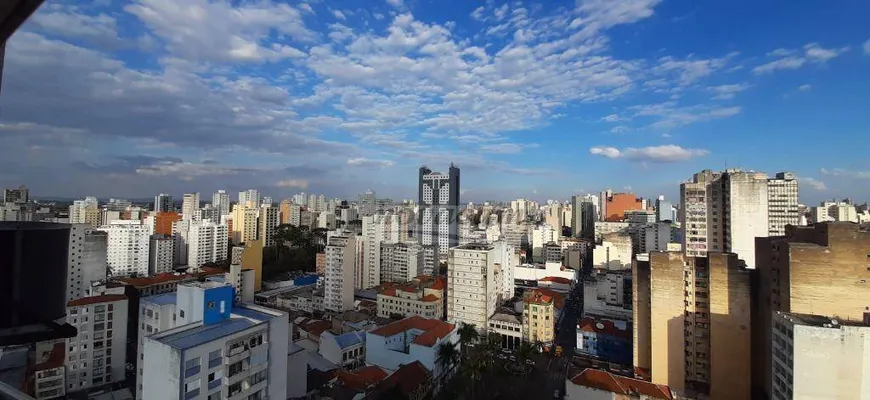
column 63, row 20
column 477, row 14
column 656, row 154
column 783, row 63
column 292, row 183
column 791, row 59
column 338, row 14
column 503, row 148
column 689, row 71
column 840, row 172
column 620, row 129
column 306, row 7
column 816, row 53
column 369, row 163
column 813, row 183
column 725, row 92
column 668, row 115
column 867, row 47
column 611, row 118
column 805, row 87
column 396, row 3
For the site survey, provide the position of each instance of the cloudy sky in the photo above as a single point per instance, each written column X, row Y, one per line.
column 530, row 99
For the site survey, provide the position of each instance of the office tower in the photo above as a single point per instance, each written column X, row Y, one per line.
column 245, row 227
column 284, row 211
column 724, row 212
column 20, row 195
column 217, row 349
column 400, row 262
column 301, row 199
column 602, row 204
column 97, row 356
column 88, row 252
column 664, row 210
column 85, row 211
column 616, row 204
column 161, row 254
column 207, row 243
column 692, row 323
column 438, row 217
column 268, row 221
column 782, row 202
column 221, row 201
column 190, row 206
column 367, row 203
column 208, row 213
column 127, row 247
column 652, row 237
column 818, row 357
column 338, row 290
column 475, row 284
column 163, row 203
column 249, row 198
column 321, row 203
column 820, row 269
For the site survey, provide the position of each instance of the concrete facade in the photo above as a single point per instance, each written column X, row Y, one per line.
column 474, row 284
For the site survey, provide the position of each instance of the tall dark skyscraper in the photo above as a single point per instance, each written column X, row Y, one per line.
column 438, row 218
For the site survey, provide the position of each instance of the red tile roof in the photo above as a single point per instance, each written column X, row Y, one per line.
column 430, row 297
column 556, row 279
column 106, row 298
column 604, row 380
column 315, row 327
column 167, row 277
column 361, row 379
column 55, row 358
column 602, row 326
column 433, row 329
column 409, row 378
column 544, row 296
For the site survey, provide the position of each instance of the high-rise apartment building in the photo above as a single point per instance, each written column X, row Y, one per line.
column 163, row 203
column 820, row 269
column 266, row 200
column 245, row 227
column 614, row 205
column 206, row 243
column 377, row 230
column 474, row 284
column 85, row 211
column 221, row 201
column 249, row 198
column 20, row 195
column 367, row 203
column 692, row 323
column 284, row 211
column 834, row 211
column 268, row 221
column 438, row 217
column 190, row 206
column 583, row 217
column 161, row 254
column 338, row 285
column 163, row 222
column 782, row 202
column 724, row 212
column 664, row 210
column 127, row 250
column 88, row 252
column 97, row 355
column 400, row 262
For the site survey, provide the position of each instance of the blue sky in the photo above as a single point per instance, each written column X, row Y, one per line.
column 531, row 99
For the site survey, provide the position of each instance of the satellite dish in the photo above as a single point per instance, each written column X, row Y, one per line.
column 599, row 325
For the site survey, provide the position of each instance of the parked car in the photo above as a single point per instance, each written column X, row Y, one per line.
column 530, row 362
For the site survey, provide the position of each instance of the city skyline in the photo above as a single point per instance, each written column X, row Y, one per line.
column 537, row 101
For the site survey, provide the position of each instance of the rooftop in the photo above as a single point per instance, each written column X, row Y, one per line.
column 603, row 380
column 162, row 299
column 55, row 358
column 556, row 279
column 475, row 246
column 818, row 320
column 433, row 329
column 416, row 285
column 195, row 336
column 168, row 277
column 603, row 326
column 506, row 317
column 544, row 296
column 362, row 378
column 255, row 313
column 407, row 378
column 106, row 298
column 350, row 339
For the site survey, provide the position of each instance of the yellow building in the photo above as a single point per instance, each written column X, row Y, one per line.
column 252, row 258
column 244, row 224
column 541, row 309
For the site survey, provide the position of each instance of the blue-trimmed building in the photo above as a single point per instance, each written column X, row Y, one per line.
column 347, row 349
column 605, row 340
column 217, row 349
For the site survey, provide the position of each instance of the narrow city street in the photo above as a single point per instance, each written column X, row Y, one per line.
column 566, row 337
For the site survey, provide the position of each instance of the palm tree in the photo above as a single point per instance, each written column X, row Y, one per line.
column 524, row 353
column 446, row 359
column 474, row 370
column 467, row 335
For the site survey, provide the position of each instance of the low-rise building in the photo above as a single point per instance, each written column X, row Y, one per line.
column 346, row 350
column 556, row 283
column 597, row 384
column 605, row 340
column 509, row 326
column 535, row 272
column 608, row 294
column 412, row 339
column 49, row 372
column 423, row 296
column 614, row 252
column 541, row 310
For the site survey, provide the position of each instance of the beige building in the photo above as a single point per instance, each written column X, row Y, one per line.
column 268, row 221
column 423, row 296
column 816, row 357
column 614, row 252
column 244, row 223
column 541, row 309
column 474, row 284
column 832, row 211
column 782, row 200
column 692, row 323
column 338, row 281
column 820, row 269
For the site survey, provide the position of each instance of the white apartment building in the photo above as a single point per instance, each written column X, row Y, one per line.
column 834, row 211
column 161, row 257
column 614, row 252
column 249, row 198
column 409, row 340
column 267, row 224
column 127, row 250
column 725, row 212
column 85, row 211
column 505, row 255
column 474, row 284
column 338, row 286
column 603, row 228
column 207, row 242
column 541, row 235
column 156, row 314
column 816, row 357
column 238, row 353
column 376, row 230
column 97, row 355
column 653, row 237
column 422, row 296
column 190, row 206
column 88, row 252
column 221, row 201
column 608, row 294
column 782, row 200
column 400, row 262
